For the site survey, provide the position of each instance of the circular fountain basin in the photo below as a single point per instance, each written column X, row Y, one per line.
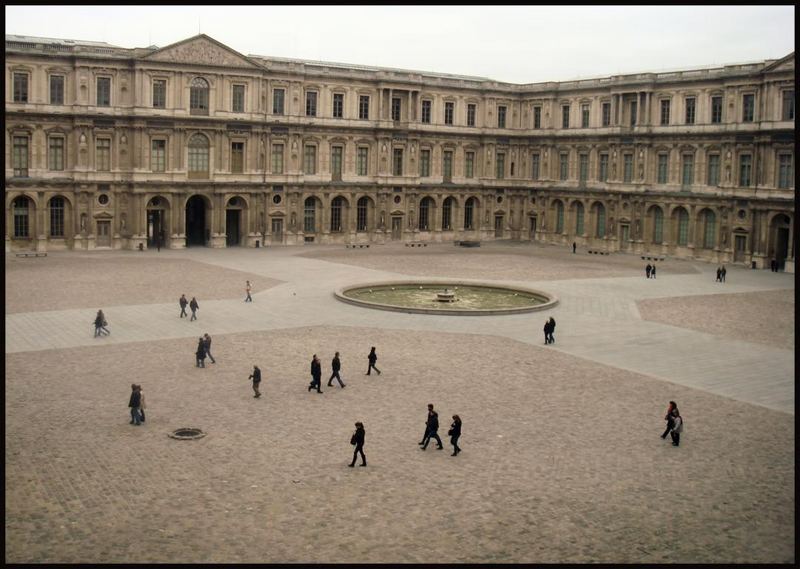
column 451, row 297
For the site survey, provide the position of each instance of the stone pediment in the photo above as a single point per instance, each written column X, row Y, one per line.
column 202, row 50
column 397, row 212
column 783, row 64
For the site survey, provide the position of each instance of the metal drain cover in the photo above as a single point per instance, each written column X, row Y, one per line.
column 187, row 434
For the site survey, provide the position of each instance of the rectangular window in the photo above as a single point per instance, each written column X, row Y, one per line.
column 310, row 160
column 309, row 217
column 363, row 107
column 103, row 91
column 713, row 169
column 585, row 116
column 20, row 87
column 362, row 160
column 311, row 103
column 603, row 174
column 537, row 117
column 338, row 105
column 606, row 114
column 447, row 165
column 785, row 171
column 159, row 94
column 57, row 217
column 238, row 99
column 583, row 167
column 20, row 211
column 55, row 154
column 278, row 97
column 20, row 156
column 103, row 154
column 397, row 162
column 687, row 177
column 469, row 165
column 665, row 104
column 564, row 116
column 579, row 225
column 470, row 115
column 535, row 166
column 277, row 158
column 396, row 108
column 237, row 157
column 56, row 89
column 336, row 162
column 748, row 107
column 424, row 163
column 716, row 110
column 426, row 112
column 663, row 168
column 501, row 165
column 690, row 110
column 158, row 155
column 563, row 166
column 449, row 110
column 745, row 166
column 633, row 113
column 501, row 117
column 628, row 167
column 787, row 113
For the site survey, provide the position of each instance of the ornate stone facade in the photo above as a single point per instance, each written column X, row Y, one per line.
column 197, row 144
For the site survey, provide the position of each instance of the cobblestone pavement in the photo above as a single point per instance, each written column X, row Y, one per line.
column 561, row 463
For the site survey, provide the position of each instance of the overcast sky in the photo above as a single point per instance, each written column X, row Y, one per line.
column 517, row 44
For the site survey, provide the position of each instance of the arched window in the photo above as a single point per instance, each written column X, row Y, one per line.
column 447, row 213
column 424, row 210
column 198, row 97
column 579, row 218
column 309, row 215
column 559, row 217
column 709, row 224
column 362, row 208
column 658, row 225
column 336, row 214
column 198, row 156
column 57, row 217
column 683, row 227
column 469, row 206
column 601, row 220
column 20, row 211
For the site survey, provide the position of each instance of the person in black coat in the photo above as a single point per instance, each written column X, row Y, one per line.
column 431, row 429
column 547, row 332
column 316, row 374
column 669, row 418
column 256, row 377
column 722, row 272
column 200, row 353
column 336, row 365
column 653, row 272
column 183, row 302
column 207, row 343
column 194, row 306
column 647, row 270
column 455, row 432
column 358, row 440
column 372, row 357
column 552, row 323
column 134, row 402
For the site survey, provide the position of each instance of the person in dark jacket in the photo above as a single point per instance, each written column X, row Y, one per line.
column 372, row 357
column 546, row 331
column 207, row 343
column 200, row 353
column 677, row 427
column 431, row 429
column 336, row 365
column 668, row 418
column 552, row 322
column 358, row 440
column 719, row 275
column 183, row 302
column 256, row 377
column 653, row 272
column 647, row 270
column 316, row 374
column 134, row 403
column 455, row 432
column 99, row 324
column 574, row 246
column 722, row 272
column 194, row 306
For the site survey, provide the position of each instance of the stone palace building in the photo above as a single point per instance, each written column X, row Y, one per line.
column 196, row 144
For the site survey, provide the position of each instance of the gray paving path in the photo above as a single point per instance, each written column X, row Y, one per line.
column 597, row 320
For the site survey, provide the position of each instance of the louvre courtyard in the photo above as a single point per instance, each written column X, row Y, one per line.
column 561, row 461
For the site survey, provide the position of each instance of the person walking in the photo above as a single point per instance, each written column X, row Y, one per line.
column 103, row 322
column 336, row 365
column 653, row 272
column 668, row 418
column 455, row 432
column 247, row 289
column 574, row 246
column 547, row 332
column 372, row 357
column 677, row 427
column 552, row 322
column 316, row 374
column 647, row 270
column 256, row 377
column 194, row 306
column 133, row 403
column 98, row 324
column 358, row 440
column 723, row 272
column 719, row 275
column 207, row 345
column 200, row 353
column 183, row 302
column 141, row 402
column 431, row 429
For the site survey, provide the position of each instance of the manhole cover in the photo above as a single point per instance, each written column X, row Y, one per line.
column 187, row 433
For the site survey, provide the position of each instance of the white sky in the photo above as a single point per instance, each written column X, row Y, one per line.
column 517, row 44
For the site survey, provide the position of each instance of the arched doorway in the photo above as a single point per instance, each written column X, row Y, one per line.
column 157, row 222
column 233, row 222
column 196, row 231
column 779, row 239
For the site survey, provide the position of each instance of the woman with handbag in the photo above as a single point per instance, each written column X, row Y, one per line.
column 358, row 440
column 455, row 432
column 668, row 418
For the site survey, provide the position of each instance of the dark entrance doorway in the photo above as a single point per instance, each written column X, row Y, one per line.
column 397, row 227
column 155, row 227
column 532, row 228
column 195, row 221
column 780, row 240
column 232, row 233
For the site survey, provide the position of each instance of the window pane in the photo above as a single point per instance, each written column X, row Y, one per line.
column 665, row 112
column 103, row 91
column 469, row 165
column 784, row 171
column 606, row 114
column 448, row 113
column 20, row 211
column 690, row 110
column 363, row 156
column 447, row 166
column 713, row 169
column 277, row 158
column 565, row 116
column 579, row 219
column 20, row 156
column 103, row 154
column 336, row 162
column 277, row 101
column 534, row 166
column 20, row 87
column 716, row 109
column 238, row 98
column 56, row 154
column 683, row 227
column 363, row 107
column 159, row 94
column 744, row 169
column 563, row 166
column 310, row 160
column 237, row 157
column 658, row 225
column 628, row 167
column 57, row 217
column 501, row 117
column 426, row 112
column 425, row 163
column 501, row 165
column 395, row 109
column 710, row 225
column 56, row 89
column 748, row 108
column 663, row 168
column 537, row 117
column 311, row 104
column 603, row 174
column 470, row 115
column 338, row 105
column 559, row 217
column 158, row 155
column 688, row 170
column 787, row 113
column 397, row 162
